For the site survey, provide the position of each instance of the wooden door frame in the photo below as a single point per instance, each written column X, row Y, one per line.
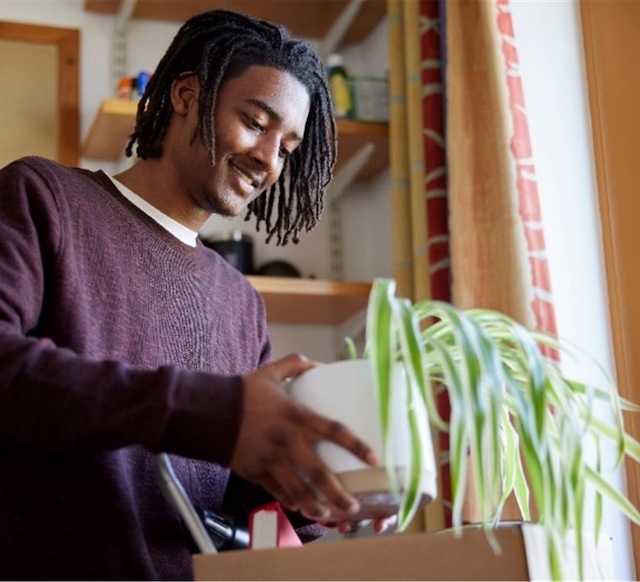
column 613, row 107
column 67, row 42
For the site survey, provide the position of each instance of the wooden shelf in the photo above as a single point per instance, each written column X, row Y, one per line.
column 353, row 135
column 310, row 301
column 115, row 120
column 306, row 18
column 110, row 131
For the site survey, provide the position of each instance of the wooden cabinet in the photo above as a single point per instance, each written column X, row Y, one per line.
column 304, row 301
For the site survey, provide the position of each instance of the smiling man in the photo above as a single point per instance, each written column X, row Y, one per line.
column 122, row 336
column 259, row 123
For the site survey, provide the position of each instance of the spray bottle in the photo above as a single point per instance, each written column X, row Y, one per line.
column 339, row 85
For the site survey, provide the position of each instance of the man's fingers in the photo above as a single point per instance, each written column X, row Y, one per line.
column 311, row 485
column 272, row 486
column 325, row 493
column 339, row 434
column 296, row 487
column 290, row 366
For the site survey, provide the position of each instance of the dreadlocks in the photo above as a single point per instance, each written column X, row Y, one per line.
column 216, row 46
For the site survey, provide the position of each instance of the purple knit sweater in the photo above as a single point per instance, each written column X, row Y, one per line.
column 117, row 341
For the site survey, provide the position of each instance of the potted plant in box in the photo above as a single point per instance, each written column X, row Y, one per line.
column 517, row 425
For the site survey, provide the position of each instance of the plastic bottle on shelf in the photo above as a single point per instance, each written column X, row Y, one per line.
column 339, row 86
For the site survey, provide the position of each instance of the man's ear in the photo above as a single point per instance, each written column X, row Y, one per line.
column 184, row 94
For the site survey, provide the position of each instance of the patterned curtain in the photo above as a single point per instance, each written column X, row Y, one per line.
column 526, row 185
column 497, row 245
column 437, row 212
column 418, row 173
column 467, row 220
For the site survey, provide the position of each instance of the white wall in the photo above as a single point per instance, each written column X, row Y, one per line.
column 548, row 39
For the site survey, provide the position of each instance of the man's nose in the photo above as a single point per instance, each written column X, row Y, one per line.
column 267, row 154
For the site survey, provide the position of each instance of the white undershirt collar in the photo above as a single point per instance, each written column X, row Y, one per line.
column 181, row 232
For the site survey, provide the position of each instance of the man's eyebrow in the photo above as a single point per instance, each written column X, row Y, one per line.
column 271, row 112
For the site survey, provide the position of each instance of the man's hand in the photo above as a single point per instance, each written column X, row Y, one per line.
column 276, row 447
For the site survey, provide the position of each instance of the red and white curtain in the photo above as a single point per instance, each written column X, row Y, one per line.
column 467, row 220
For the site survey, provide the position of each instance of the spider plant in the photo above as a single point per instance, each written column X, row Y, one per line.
column 517, row 425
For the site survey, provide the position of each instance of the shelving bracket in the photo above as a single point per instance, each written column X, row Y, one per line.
column 336, row 33
column 349, row 171
column 119, row 42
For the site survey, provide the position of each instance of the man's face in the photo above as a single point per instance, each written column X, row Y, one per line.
column 260, row 118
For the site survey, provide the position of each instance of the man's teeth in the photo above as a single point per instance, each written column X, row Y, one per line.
column 246, row 178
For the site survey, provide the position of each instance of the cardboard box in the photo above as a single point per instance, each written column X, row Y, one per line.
column 436, row 556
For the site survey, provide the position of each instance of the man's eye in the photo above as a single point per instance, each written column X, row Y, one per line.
column 253, row 123
column 285, row 153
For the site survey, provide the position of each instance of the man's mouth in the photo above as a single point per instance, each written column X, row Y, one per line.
column 246, row 176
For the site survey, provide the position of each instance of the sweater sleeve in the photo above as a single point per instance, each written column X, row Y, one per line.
column 56, row 400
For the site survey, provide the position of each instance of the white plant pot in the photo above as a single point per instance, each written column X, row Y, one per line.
column 344, row 391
